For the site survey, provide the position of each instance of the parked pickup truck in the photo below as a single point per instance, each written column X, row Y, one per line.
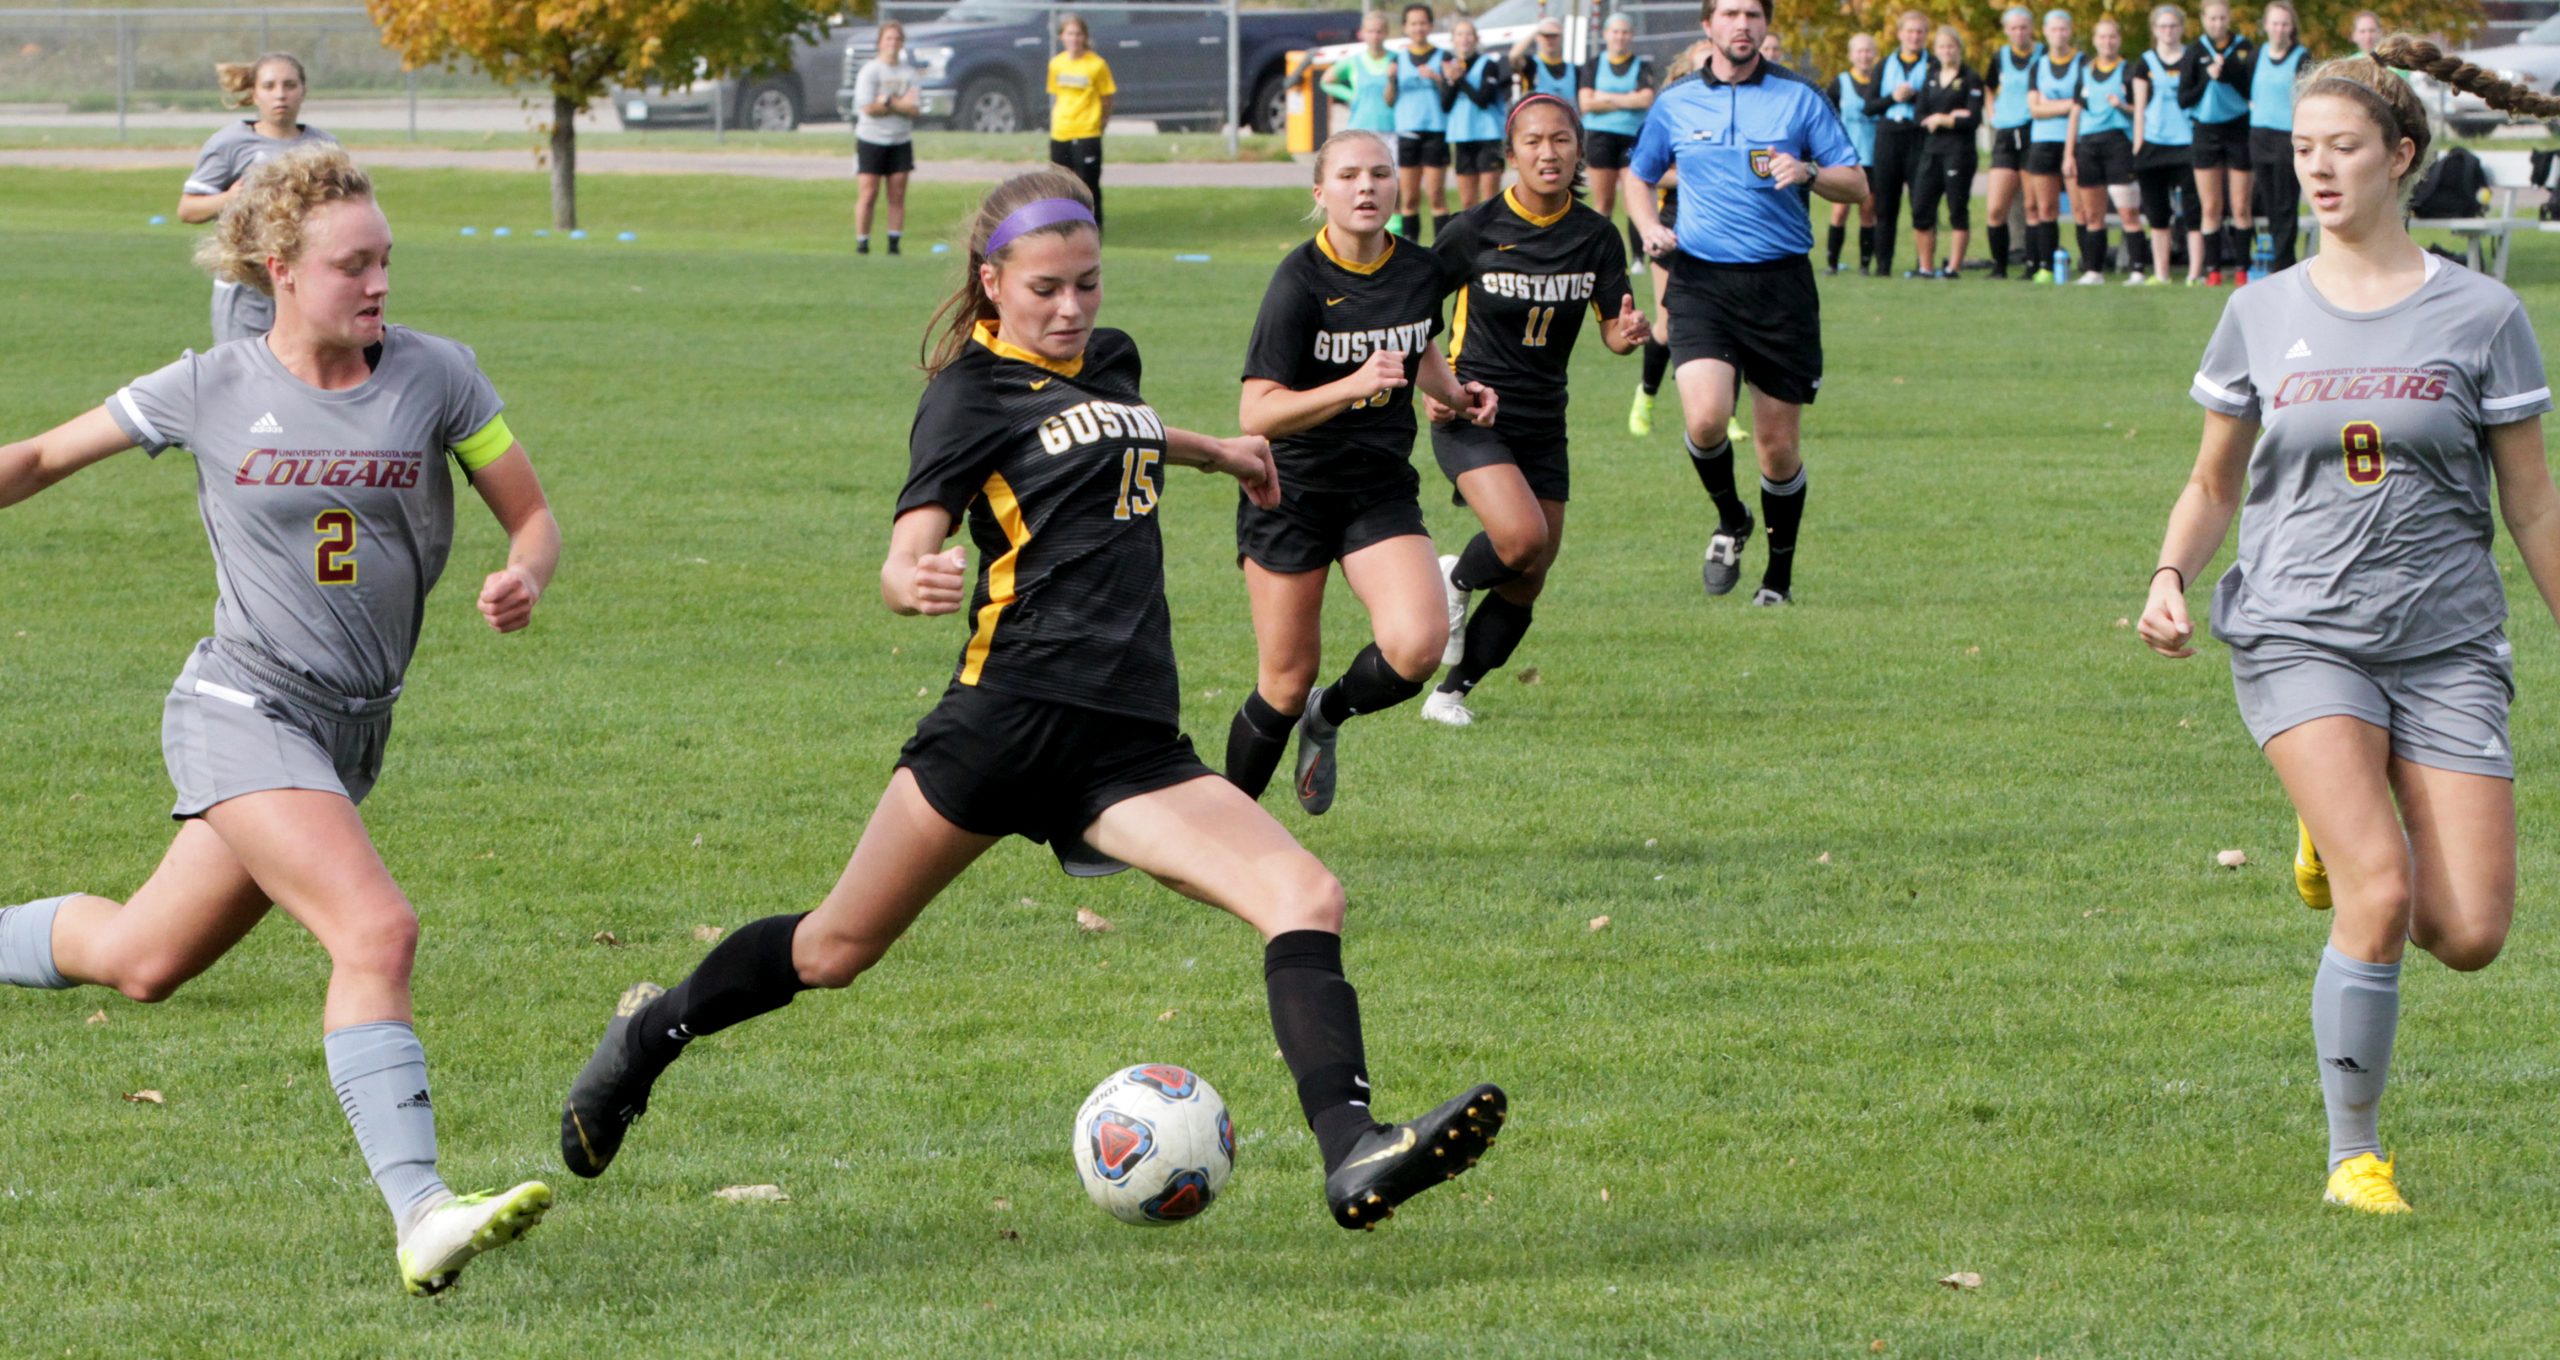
column 985, row 63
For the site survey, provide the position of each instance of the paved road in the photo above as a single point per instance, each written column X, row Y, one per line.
column 1171, row 174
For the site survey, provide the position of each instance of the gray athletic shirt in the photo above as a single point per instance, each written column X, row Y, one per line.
column 2367, row 524
column 228, row 154
column 878, row 80
column 331, row 513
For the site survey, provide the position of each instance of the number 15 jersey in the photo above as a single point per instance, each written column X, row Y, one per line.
column 1058, row 469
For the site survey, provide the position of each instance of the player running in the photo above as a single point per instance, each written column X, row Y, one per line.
column 1525, row 267
column 274, row 85
column 1061, row 721
column 1343, row 339
column 320, row 452
column 2367, row 403
column 1747, row 144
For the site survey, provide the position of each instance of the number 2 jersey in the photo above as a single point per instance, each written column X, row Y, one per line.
column 1057, row 469
column 2368, row 519
column 1524, row 285
column 1321, row 320
column 330, row 513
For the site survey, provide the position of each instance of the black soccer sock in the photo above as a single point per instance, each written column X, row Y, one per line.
column 1831, row 244
column 2000, row 250
column 1782, row 504
column 1315, row 1015
column 893, row 241
column 2093, row 250
column 2237, row 245
column 862, row 245
column 1367, row 685
column 2213, row 249
column 1866, row 246
column 2137, row 250
column 1494, row 631
column 1439, row 225
column 1480, row 567
column 1715, row 473
column 1657, row 356
column 745, row 975
column 1255, row 740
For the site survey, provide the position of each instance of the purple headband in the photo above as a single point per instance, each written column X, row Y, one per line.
column 1032, row 216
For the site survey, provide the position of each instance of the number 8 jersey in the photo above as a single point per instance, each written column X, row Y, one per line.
column 2368, row 519
column 330, row 513
column 1058, row 469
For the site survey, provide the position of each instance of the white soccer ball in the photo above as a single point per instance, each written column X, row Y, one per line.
column 1153, row 1144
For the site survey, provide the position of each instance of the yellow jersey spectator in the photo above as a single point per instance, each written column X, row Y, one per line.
column 1080, row 98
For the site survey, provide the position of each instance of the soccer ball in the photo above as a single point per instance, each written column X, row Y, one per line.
column 1154, row 1145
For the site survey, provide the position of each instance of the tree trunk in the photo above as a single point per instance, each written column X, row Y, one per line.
column 564, row 163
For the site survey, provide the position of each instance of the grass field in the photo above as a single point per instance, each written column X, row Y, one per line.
column 1917, row 958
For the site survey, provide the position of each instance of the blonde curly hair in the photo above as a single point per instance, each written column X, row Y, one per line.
column 269, row 208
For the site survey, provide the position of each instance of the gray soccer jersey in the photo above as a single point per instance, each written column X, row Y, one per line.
column 876, row 81
column 330, row 513
column 228, row 155
column 2367, row 524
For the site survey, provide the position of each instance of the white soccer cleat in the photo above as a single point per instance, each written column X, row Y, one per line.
column 2134, row 279
column 446, row 1237
column 1448, row 709
column 1456, row 648
column 2090, row 279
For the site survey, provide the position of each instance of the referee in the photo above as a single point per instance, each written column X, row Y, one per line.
column 1742, row 300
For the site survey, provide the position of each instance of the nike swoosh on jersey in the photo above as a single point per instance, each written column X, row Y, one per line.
column 1333, row 302
column 1506, row 245
column 1038, row 383
column 1384, row 1153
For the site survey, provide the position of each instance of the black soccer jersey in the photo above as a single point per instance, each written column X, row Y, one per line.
column 1524, row 284
column 1058, row 469
column 1321, row 320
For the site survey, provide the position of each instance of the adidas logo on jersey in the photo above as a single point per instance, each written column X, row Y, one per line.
column 266, row 424
column 2494, row 748
column 2301, row 350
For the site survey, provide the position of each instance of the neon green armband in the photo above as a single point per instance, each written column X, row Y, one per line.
column 487, row 446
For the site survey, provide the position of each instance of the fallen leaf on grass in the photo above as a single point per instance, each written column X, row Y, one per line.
column 1823, row 858
column 1604, row 1194
column 1092, row 922
column 1650, row 842
column 96, row 1017
column 1973, row 651
column 146, row 1097
column 1169, row 1014
column 608, row 939
column 2124, row 623
column 1962, row 1279
column 758, row 1194
column 1599, row 923
column 697, row 840
column 1002, row 1204
column 708, row 934
column 2232, row 859
column 1876, row 1347
column 1530, row 676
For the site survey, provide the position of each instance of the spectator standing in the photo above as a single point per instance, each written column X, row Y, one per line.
column 885, row 102
column 1081, row 92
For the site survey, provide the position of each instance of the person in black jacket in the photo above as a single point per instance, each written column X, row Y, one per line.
column 1950, row 110
column 1905, row 73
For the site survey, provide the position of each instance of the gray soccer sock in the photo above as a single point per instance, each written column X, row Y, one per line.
column 26, row 945
column 2355, row 1011
column 380, row 1071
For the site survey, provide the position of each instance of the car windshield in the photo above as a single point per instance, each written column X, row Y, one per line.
column 1510, row 12
column 2546, row 33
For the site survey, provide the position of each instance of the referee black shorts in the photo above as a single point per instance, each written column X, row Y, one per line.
column 2223, row 145
column 2009, row 148
column 1310, row 530
column 1536, row 446
column 1764, row 319
column 1005, row 765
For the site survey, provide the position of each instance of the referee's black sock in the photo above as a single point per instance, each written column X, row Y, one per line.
column 745, row 975
column 1999, row 251
column 1480, row 567
column 1255, row 739
column 1782, row 504
column 1367, row 685
column 1657, row 356
column 1715, row 473
column 1831, row 244
column 1494, row 631
column 1315, row 1014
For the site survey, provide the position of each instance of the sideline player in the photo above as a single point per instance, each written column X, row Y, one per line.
column 2272, row 184
column 1526, row 267
column 1418, row 91
column 274, row 85
column 2366, row 404
column 275, row 729
column 1858, row 95
column 1743, row 305
column 2009, row 75
column 2053, row 95
column 1061, row 719
column 1343, row 339
column 1613, row 94
column 1950, row 113
column 2217, row 87
column 1479, row 97
column 1360, row 81
column 1898, row 134
column 2098, row 152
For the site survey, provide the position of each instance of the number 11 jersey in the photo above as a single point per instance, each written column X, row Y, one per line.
column 1527, row 284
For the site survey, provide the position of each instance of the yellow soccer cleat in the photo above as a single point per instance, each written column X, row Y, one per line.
column 2310, row 876
column 2364, row 1182
column 447, row 1236
column 1640, row 416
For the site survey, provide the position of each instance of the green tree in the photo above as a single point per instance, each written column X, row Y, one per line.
column 577, row 49
column 1817, row 33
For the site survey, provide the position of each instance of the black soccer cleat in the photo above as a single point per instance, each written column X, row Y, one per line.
column 611, row 1091
column 1316, row 768
column 1393, row 1164
column 1724, row 556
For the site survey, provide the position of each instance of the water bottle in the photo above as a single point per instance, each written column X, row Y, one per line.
column 2061, row 265
column 2262, row 256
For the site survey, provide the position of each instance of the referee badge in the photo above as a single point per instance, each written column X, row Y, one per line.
column 1761, row 159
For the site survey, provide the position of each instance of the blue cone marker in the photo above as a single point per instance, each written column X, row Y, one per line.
column 542, row 231
column 579, row 235
column 942, row 247
column 159, row 220
column 470, row 231
column 628, row 236
column 1190, row 259
column 502, row 231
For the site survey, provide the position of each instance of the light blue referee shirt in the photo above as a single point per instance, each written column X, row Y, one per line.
column 1721, row 137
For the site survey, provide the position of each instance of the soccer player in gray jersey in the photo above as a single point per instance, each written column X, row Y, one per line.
column 2367, row 401
column 320, row 452
column 274, row 85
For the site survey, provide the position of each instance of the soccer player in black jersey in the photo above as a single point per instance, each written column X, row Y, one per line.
column 1062, row 718
column 1343, row 338
column 1525, row 266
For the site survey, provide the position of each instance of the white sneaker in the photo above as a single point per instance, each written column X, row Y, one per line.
column 1456, row 648
column 2092, row 277
column 2134, row 279
column 447, row 1236
column 1443, row 707
column 1765, row 598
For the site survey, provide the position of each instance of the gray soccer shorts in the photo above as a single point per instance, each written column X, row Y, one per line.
column 2446, row 710
column 237, row 723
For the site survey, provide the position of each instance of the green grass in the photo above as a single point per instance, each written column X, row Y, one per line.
column 1917, row 960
